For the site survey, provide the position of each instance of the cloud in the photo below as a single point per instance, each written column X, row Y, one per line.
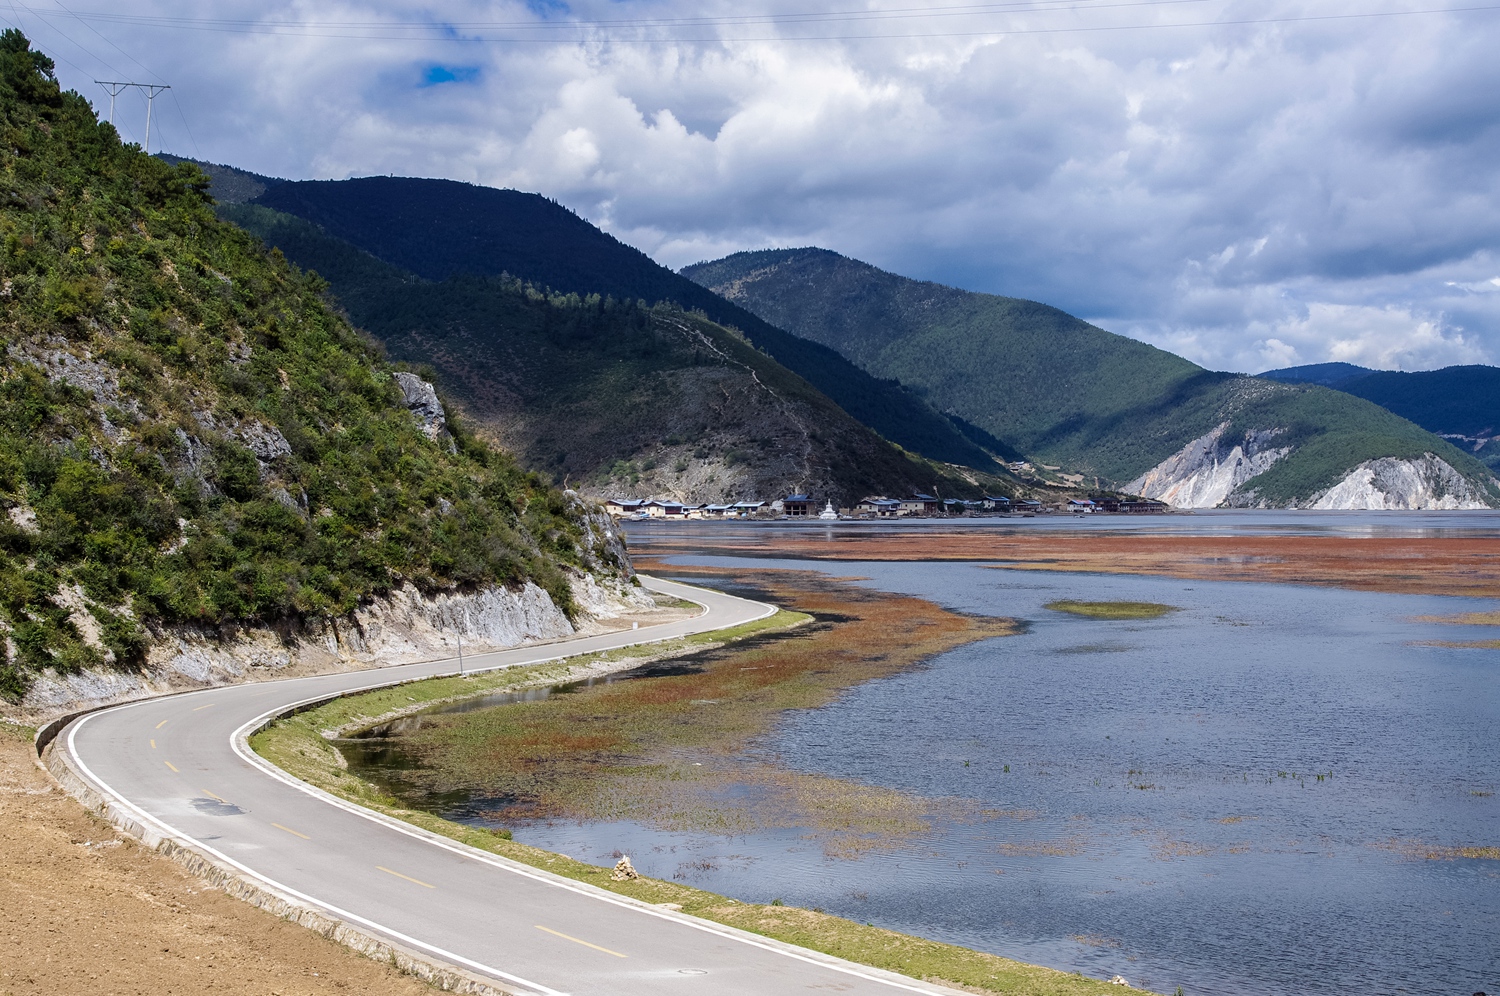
column 1241, row 193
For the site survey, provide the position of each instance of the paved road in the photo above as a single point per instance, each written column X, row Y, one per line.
column 181, row 765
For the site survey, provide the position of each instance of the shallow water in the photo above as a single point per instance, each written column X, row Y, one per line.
column 1162, row 816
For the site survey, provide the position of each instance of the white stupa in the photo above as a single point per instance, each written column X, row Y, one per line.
column 828, row 512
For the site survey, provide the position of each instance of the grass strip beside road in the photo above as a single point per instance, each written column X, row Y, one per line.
column 299, row 745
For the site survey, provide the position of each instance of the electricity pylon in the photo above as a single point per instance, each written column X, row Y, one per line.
column 116, row 88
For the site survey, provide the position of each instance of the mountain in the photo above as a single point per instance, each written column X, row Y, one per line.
column 1461, row 404
column 191, row 437
column 1459, row 401
column 1327, row 374
column 1069, row 394
column 612, row 396
column 438, row 229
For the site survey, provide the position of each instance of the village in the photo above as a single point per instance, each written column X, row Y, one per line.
column 801, row 506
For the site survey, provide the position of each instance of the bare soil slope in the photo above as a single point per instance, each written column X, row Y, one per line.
column 84, row 909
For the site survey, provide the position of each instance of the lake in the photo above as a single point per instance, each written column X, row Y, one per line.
column 1265, row 791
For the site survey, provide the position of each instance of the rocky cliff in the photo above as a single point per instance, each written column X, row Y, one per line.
column 1221, row 469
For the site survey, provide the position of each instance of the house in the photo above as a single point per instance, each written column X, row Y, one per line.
column 1030, row 505
column 879, row 506
column 717, row 511
column 619, row 507
column 919, row 504
column 748, row 508
column 1081, row 505
column 1148, row 506
column 664, row 509
column 995, row 503
column 796, row 505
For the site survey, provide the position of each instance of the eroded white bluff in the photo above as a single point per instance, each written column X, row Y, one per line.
column 1428, row 482
column 402, row 627
column 1213, row 472
column 1205, row 472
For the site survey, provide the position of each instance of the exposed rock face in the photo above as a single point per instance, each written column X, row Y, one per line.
column 1427, row 483
column 423, row 401
column 405, row 626
column 1205, row 472
column 266, row 442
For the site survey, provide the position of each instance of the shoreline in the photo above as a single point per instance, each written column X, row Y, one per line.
column 301, row 745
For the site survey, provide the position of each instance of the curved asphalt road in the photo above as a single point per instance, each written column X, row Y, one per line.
column 180, row 764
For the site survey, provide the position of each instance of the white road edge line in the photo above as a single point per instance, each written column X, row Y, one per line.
column 240, row 744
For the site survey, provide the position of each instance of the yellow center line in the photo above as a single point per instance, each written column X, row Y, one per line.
column 212, row 796
column 161, row 724
column 201, row 708
column 289, row 830
column 417, row 881
column 558, row 933
column 153, row 744
column 170, row 765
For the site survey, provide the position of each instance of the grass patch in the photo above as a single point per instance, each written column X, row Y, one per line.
column 17, row 731
column 1460, row 644
column 1465, row 619
column 297, row 745
column 1112, row 610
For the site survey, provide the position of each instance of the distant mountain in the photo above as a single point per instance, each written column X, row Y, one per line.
column 1459, row 403
column 1100, row 404
column 437, row 229
column 611, row 395
column 1327, row 374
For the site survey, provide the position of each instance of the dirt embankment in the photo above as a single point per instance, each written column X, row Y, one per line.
column 85, row 910
column 1442, row 565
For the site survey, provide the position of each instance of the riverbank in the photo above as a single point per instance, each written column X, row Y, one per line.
column 799, row 670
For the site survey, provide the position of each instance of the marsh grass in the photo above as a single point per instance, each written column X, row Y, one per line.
column 1112, row 610
column 670, row 751
column 297, row 745
column 1465, row 619
column 1420, row 851
column 1460, row 644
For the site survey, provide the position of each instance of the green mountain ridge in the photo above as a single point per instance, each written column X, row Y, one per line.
column 1459, row 403
column 1064, row 391
column 190, row 435
column 437, row 229
column 611, row 395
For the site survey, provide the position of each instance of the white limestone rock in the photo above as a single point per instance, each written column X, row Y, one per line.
column 1427, row 483
column 1205, row 472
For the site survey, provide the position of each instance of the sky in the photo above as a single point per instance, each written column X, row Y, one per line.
column 1251, row 185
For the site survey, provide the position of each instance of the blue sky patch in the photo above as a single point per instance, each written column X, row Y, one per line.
column 433, row 75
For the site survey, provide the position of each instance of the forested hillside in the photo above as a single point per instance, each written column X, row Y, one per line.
column 437, row 229
column 615, row 396
column 1461, row 403
column 1064, row 391
column 189, row 434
